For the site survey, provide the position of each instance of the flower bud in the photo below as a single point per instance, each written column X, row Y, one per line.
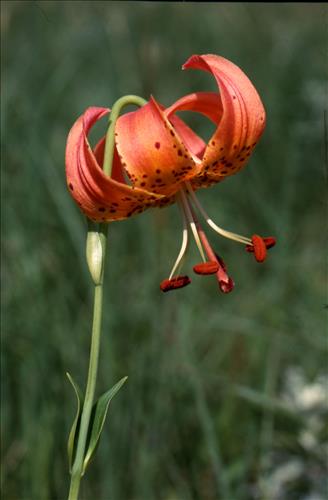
column 95, row 256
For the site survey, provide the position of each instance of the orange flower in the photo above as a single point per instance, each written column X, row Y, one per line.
column 158, row 160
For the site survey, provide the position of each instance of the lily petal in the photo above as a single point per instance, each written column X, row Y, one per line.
column 100, row 197
column 241, row 124
column 192, row 141
column 207, row 103
column 151, row 152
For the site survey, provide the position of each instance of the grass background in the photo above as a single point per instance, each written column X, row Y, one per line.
column 202, row 415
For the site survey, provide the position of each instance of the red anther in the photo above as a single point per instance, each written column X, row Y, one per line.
column 259, row 247
column 210, row 267
column 172, row 284
column 269, row 241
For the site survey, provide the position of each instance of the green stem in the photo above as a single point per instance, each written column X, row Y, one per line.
column 96, row 260
column 89, row 394
column 110, row 136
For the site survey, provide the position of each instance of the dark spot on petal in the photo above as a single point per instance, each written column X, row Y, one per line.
column 213, row 143
column 145, row 176
column 142, row 184
column 101, row 209
column 158, row 170
column 172, row 133
column 157, row 145
column 179, row 152
column 71, row 186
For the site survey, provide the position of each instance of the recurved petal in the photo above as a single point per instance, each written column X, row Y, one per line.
column 207, row 103
column 241, row 124
column 192, row 141
column 100, row 197
column 151, row 151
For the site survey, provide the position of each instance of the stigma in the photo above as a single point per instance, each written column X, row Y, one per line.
column 211, row 261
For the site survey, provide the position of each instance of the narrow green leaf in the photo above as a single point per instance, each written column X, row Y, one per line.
column 98, row 416
column 72, row 438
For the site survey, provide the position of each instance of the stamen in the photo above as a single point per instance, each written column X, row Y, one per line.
column 210, row 267
column 226, row 284
column 174, row 283
column 269, row 241
column 260, row 246
column 222, row 232
column 184, row 245
column 183, row 201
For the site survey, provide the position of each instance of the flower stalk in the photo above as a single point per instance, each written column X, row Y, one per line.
column 95, row 253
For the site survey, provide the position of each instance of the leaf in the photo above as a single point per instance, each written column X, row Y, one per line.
column 98, row 416
column 72, row 441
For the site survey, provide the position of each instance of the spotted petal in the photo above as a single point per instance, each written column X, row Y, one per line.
column 100, row 197
column 241, row 124
column 151, row 151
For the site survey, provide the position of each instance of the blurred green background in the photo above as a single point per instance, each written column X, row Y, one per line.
column 226, row 393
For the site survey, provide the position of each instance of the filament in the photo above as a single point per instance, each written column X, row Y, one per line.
column 184, row 245
column 219, row 230
column 183, row 201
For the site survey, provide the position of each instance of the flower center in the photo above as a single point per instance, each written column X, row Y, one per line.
column 211, row 263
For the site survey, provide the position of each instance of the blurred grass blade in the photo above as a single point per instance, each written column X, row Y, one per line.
column 99, row 412
column 72, row 442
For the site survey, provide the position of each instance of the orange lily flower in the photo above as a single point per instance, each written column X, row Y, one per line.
column 158, row 160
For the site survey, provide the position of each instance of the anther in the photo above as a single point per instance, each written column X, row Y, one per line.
column 210, row 267
column 174, row 283
column 260, row 250
column 260, row 246
column 269, row 241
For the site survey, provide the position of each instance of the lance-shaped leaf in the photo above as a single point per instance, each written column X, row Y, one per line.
column 73, row 435
column 98, row 416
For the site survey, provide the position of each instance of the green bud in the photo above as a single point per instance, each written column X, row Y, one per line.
column 95, row 256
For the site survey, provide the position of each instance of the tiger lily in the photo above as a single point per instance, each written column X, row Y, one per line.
column 159, row 159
